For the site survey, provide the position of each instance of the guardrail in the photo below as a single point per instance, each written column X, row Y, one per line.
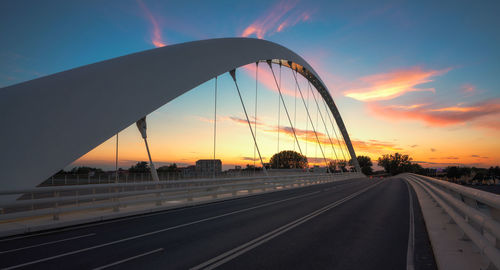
column 476, row 212
column 54, row 201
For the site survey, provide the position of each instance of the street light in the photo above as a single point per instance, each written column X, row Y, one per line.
column 141, row 125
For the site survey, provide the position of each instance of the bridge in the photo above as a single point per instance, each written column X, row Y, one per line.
column 329, row 217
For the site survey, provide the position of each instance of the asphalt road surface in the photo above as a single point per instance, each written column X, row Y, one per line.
column 354, row 224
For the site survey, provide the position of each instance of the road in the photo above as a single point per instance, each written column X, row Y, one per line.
column 354, row 224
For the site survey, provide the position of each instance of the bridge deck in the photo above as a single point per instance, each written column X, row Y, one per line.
column 358, row 224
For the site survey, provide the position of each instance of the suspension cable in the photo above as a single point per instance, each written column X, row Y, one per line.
column 284, row 105
column 295, row 110
column 310, row 119
column 324, row 123
column 333, row 126
column 233, row 74
column 307, row 122
column 319, row 142
column 215, row 122
column 116, row 160
column 279, row 120
column 255, row 115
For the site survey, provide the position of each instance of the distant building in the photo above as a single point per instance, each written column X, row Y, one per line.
column 207, row 167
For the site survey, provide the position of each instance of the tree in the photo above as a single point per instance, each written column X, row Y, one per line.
column 140, row 167
column 85, row 170
column 170, row 168
column 287, row 160
column 365, row 163
column 397, row 163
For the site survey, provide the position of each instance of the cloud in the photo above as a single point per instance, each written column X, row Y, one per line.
column 374, row 146
column 205, row 119
column 468, row 89
column 386, row 86
column 433, row 115
column 156, row 38
column 253, row 159
column 245, row 122
column 276, row 19
column 449, row 157
column 478, row 156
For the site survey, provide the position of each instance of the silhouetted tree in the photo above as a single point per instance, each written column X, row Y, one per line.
column 140, row 167
column 85, row 170
column 365, row 162
column 287, row 160
column 396, row 163
column 170, row 168
column 337, row 165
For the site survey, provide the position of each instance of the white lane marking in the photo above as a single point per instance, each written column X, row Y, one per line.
column 128, row 259
column 233, row 253
column 124, row 219
column 47, row 243
column 410, row 263
column 156, row 232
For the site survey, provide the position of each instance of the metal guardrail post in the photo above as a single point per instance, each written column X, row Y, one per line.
column 116, row 207
column 32, row 198
column 56, row 206
column 495, row 214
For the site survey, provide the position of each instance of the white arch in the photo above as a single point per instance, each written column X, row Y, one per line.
column 51, row 121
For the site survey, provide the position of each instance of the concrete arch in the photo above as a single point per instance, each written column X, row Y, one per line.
column 51, row 121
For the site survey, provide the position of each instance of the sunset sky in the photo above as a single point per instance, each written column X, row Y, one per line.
column 415, row 77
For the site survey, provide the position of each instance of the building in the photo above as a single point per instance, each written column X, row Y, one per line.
column 208, row 167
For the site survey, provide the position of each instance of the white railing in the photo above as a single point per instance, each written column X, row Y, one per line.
column 54, row 201
column 476, row 212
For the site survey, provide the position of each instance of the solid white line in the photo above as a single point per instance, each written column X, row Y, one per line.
column 47, row 243
column 410, row 263
column 157, row 231
column 128, row 259
column 233, row 253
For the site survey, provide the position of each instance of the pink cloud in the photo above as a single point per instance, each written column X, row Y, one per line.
column 386, row 86
column 156, row 38
column 276, row 19
column 440, row 116
column 468, row 89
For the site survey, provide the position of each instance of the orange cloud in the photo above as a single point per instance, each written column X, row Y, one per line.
column 439, row 116
column 276, row 19
column 390, row 85
column 374, row 146
column 156, row 39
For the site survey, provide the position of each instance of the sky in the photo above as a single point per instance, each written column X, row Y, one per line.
column 415, row 77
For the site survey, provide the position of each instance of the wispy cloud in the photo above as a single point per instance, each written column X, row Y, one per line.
column 468, row 89
column 478, row 156
column 253, row 159
column 252, row 121
column 280, row 16
column 386, row 86
column 433, row 115
column 156, row 37
column 374, row 146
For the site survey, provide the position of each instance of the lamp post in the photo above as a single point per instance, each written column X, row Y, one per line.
column 141, row 125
